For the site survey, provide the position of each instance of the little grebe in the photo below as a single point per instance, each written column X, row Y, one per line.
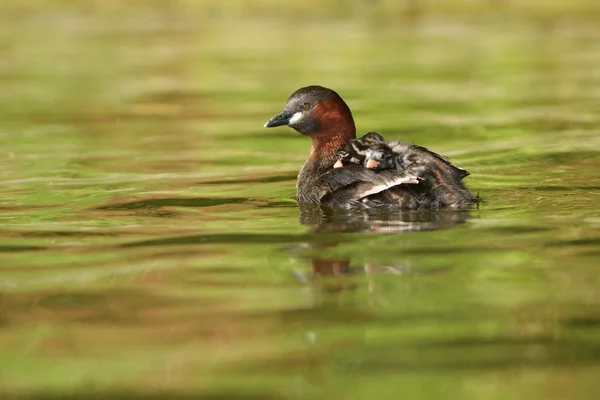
column 381, row 156
column 417, row 179
column 354, row 151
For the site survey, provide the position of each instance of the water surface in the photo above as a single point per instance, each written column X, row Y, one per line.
column 150, row 240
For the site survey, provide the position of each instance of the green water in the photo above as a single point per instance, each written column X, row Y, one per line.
column 151, row 245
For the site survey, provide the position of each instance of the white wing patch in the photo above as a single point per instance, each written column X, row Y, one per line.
column 384, row 186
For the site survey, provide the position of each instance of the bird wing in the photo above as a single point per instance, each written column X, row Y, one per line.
column 346, row 186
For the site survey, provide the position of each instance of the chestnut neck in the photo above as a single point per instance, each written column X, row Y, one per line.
column 336, row 129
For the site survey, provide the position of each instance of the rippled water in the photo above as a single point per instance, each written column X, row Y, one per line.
column 151, row 243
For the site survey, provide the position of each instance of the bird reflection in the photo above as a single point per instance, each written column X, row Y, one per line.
column 330, row 222
column 341, row 268
column 322, row 219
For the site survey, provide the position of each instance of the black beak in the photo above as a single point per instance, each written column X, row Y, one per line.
column 283, row 118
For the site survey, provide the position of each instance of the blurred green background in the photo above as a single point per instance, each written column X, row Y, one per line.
column 150, row 241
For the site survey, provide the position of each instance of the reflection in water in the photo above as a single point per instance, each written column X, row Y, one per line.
column 328, row 220
column 344, row 268
column 347, row 281
column 325, row 220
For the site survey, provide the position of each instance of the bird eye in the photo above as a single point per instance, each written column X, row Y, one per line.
column 306, row 106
